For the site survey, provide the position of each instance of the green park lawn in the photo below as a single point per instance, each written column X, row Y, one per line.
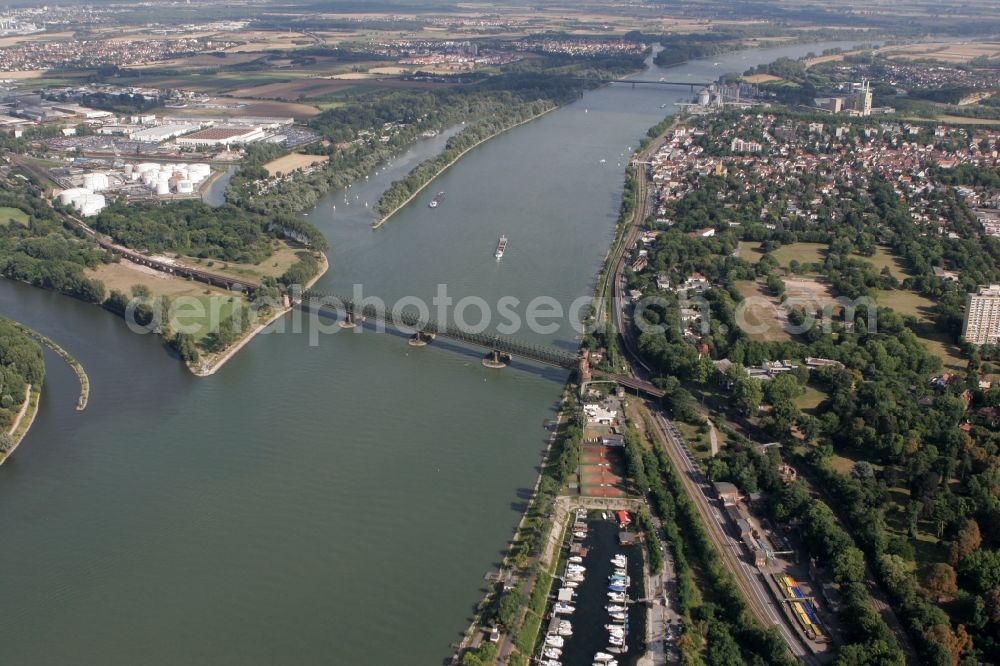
column 8, row 215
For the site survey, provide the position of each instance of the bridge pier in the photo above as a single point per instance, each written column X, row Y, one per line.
column 421, row 339
column 496, row 359
column 348, row 320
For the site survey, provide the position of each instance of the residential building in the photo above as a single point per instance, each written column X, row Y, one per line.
column 982, row 316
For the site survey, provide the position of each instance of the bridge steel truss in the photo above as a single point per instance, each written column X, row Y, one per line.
column 500, row 343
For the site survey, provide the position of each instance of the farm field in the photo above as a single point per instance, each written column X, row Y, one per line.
column 291, row 90
column 955, row 53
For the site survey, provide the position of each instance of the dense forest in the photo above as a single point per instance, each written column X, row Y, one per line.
column 45, row 252
column 21, row 364
column 197, row 229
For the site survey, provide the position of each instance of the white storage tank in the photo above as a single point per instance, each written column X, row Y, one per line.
column 146, row 166
column 162, row 188
column 199, row 171
column 95, row 182
column 185, row 187
column 67, row 196
column 90, row 204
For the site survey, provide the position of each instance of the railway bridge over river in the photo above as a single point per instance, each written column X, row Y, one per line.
column 501, row 349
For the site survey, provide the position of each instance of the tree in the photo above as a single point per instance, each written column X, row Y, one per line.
column 966, row 542
column 185, row 346
column 956, row 643
column 896, row 571
column 6, row 441
column 941, row 581
column 981, row 570
column 992, row 599
column 747, row 394
column 873, row 653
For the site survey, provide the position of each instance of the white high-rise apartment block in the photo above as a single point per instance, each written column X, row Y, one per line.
column 982, row 316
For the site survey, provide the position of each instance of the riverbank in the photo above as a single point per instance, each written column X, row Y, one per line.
column 507, row 567
column 75, row 365
column 22, row 422
column 209, row 367
column 447, row 166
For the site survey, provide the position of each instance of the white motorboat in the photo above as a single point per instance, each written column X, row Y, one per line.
column 572, row 583
column 576, row 559
column 551, row 662
column 580, row 534
column 604, row 514
column 603, row 657
column 575, row 567
column 553, row 653
column 615, row 609
column 565, row 631
column 562, row 608
column 613, row 640
column 618, row 616
column 617, row 596
column 555, row 641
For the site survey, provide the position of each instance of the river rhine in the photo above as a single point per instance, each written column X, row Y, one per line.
column 329, row 504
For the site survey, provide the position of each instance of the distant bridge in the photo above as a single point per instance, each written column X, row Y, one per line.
column 648, row 82
column 502, row 347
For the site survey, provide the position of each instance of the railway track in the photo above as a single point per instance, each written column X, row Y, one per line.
column 752, row 589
